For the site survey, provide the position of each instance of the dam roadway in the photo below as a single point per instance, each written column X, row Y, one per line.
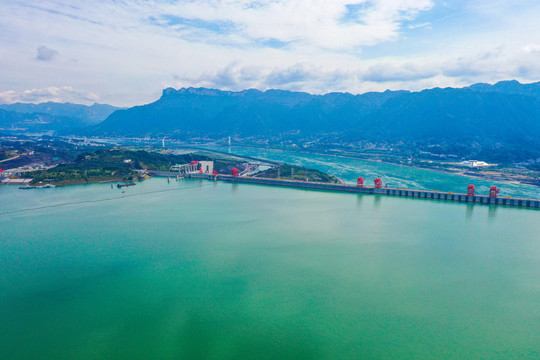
column 421, row 194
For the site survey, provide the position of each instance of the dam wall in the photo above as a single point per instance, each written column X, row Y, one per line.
column 422, row 194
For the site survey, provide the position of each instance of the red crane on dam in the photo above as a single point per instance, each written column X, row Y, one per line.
column 360, row 182
column 470, row 190
column 234, row 172
column 378, row 183
column 493, row 191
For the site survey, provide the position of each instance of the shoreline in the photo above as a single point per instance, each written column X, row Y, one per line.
column 70, row 183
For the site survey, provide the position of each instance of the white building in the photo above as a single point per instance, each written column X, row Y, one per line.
column 204, row 167
column 207, row 166
column 474, row 163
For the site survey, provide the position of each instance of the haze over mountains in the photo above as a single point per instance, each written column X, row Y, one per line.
column 500, row 120
column 474, row 112
column 501, row 116
column 52, row 116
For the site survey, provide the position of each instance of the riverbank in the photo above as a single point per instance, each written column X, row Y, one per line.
column 95, row 181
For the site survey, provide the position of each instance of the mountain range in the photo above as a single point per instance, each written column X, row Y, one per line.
column 506, row 109
column 499, row 118
column 52, row 116
column 494, row 122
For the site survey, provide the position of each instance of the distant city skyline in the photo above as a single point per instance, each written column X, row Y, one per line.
column 125, row 52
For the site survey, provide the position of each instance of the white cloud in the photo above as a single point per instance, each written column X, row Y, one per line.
column 127, row 50
column 532, row 48
column 56, row 94
column 384, row 72
column 336, row 24
column 425, row 25
column 302, row 76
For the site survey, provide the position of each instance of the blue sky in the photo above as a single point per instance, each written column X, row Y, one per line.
column 124, row 52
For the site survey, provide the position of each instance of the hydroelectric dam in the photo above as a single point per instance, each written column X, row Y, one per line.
column 469, row 197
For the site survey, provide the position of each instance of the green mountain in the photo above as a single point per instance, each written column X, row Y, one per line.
column 250, row 112
column 487, row 117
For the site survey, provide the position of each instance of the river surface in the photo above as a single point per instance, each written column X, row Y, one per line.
column 349, row 169
column 211, row 270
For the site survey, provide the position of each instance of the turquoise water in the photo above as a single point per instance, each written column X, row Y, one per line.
column 203, row 270
column 349, row 169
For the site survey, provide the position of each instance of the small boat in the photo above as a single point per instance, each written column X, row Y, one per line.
column 26, row 187
column 125, row 184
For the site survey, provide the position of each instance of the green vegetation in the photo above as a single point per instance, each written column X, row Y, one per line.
column 129, row 165
column 4, row 154
column 68, row 174
column 110, row 165
column 300, row 173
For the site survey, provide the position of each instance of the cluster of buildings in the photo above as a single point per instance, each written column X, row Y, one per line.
column 474, row 163
column 202, row 167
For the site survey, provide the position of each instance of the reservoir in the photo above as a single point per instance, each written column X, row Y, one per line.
column 212, row 270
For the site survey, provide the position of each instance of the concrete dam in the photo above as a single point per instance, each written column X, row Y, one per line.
column 422, row 194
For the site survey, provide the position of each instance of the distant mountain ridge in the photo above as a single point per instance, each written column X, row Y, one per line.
column 203, row 109
column 250, row 112
column 495, row 121
column 500, row 121
column 36, row 122
column 509, row 87
column 52, row 116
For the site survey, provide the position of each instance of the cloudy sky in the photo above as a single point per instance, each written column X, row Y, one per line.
column 124, row 52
